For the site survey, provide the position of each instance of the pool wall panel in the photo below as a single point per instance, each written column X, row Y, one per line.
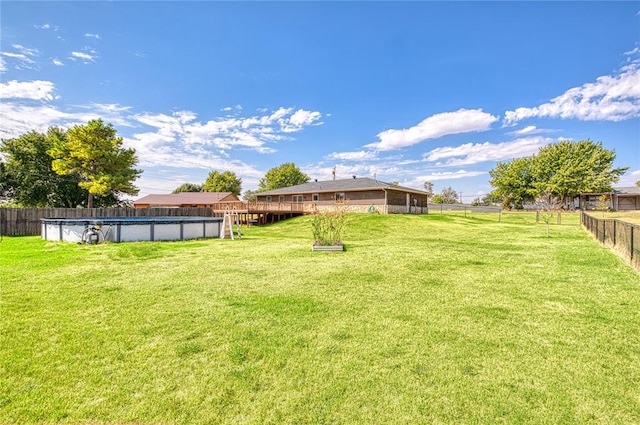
column 135, row 232
column 213, row 229
column 127, row 229
column 166, row 232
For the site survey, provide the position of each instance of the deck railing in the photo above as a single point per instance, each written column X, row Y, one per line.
column 271, row 207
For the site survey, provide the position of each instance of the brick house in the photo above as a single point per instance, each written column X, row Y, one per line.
column 360, row 194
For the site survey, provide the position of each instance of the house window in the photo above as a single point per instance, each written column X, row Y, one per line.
column 297, row 199
column 340, row 196
column 315, row 197
column 268, row 198
column 281, row 198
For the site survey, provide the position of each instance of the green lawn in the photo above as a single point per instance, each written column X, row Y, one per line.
column 433, row 319
column 632, row 217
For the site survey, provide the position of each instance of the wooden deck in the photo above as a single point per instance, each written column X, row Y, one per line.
column 263, row 212
column 265, row 207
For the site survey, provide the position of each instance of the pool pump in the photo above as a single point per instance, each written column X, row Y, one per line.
column 92, row 235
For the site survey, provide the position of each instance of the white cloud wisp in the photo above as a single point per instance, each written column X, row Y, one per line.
column 22, row 57
column 197, row 143
column 474, row 153
column 84, row 57
column 609, row 98
column 353, row 156
column 35, row 90
column 438, row 125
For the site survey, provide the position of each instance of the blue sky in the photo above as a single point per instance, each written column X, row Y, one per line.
column 403, row 91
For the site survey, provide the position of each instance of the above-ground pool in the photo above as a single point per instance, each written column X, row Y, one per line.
column 129, row 229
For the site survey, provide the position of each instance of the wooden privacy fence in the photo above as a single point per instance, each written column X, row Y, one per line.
column 622, row 236
column 26, row 221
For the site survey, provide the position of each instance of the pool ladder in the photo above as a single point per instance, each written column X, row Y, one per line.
column 231, row 217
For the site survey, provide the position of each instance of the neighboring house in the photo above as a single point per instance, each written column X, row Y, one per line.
column 184, row 200
column 621, row 199
column 360, row 194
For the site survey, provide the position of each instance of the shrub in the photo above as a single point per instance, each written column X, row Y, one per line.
column 328, row 227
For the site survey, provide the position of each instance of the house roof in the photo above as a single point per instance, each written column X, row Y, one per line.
column 629, row 190
column 198, row 198
column 342, row 185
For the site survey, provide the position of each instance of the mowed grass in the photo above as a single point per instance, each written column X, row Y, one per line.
column 423, row 319
column 632, row 217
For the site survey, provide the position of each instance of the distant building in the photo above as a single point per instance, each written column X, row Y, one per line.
column 621, row 199
column 184, row 200
column 360, row 194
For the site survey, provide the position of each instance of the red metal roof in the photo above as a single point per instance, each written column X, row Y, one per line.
column 186, row 198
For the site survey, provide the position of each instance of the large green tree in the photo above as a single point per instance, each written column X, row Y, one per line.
column 94, row 152
column 563, row 170
column 250, row 195
column 567, row 168
column 226, row 181
column 447, row 196
column 513, row 182
column 284, row 175
column 28, row 179
column 188, row 187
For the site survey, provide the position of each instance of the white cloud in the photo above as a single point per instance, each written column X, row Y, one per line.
column 47, row 27
column 343, row 171
column 302, row 117
column 474, row 153
column 110, row 107
column 238, row 109
column 18, row 119
column 165, row 179
column 27, row 106
column 609, row 98
column 109, row 112
column 158, row 150
column 26, row 51
column 21, row 57
column 417, row 182
column 57, row 62
column 633, row 51
column 36, row 90
column 629, row 179
column 531, row 129
column 96, row 36
column 252, row 133
column 438, row 125
column 18, row 56
column 85, row 57
column 175, row 140
column 353, row 156
column 3, row 65
column 448, row 175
